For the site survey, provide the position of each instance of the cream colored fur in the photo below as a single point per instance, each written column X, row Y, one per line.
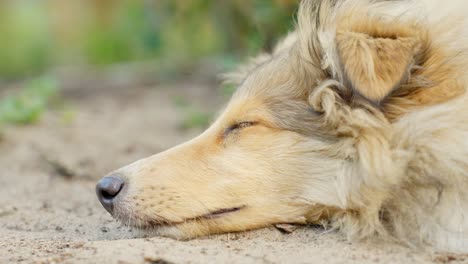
column 369, row 136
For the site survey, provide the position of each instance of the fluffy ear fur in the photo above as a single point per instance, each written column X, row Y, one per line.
column 373, row 66
column 369, row 54
column 376, row 53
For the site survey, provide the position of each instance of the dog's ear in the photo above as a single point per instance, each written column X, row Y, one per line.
column 367, row 52
column 374, row 63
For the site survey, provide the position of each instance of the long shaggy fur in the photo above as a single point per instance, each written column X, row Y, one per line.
column 357, row 120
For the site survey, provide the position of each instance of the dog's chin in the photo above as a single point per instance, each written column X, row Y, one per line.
column 213, row 222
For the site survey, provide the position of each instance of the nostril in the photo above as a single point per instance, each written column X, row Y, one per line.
column 107, row 189
column 109, row 194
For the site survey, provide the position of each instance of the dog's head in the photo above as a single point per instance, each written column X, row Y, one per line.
column 307, row 135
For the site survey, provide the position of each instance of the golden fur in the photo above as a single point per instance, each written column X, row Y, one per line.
column 358, row 120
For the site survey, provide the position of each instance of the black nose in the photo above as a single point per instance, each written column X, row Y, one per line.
column 107, row 189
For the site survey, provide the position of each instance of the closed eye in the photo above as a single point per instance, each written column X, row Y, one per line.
column 238, row 126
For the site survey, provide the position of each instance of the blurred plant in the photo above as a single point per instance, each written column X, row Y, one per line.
column 25, row 47
column 68, row 114
column 193, row 118
column 197, row 120
column 29, row 105
column 128, row 33
column 228, row 89
column 36, row 35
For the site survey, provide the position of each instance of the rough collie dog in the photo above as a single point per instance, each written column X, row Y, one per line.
column 358, row 120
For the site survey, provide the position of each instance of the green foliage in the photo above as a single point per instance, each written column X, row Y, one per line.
column 25, row 41
column 197, row 120
column 109, row 32
column 193, row 118
column 68, row 114
column 129, row 35
column 228, row 89
column 29, row 105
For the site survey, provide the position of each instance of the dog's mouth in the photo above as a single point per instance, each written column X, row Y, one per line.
column 220, row 213
column 161, row 222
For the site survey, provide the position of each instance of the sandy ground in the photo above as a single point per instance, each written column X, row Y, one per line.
column 49, row 212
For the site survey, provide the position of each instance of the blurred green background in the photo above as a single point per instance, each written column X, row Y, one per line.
column 40, row 36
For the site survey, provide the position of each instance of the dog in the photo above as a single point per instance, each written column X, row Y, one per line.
column 357, row 120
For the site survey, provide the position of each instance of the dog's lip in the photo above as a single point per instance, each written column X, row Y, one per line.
column 220, row 212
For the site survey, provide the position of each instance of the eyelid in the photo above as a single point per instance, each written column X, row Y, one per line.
column 239, row 125
column 245, row 124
